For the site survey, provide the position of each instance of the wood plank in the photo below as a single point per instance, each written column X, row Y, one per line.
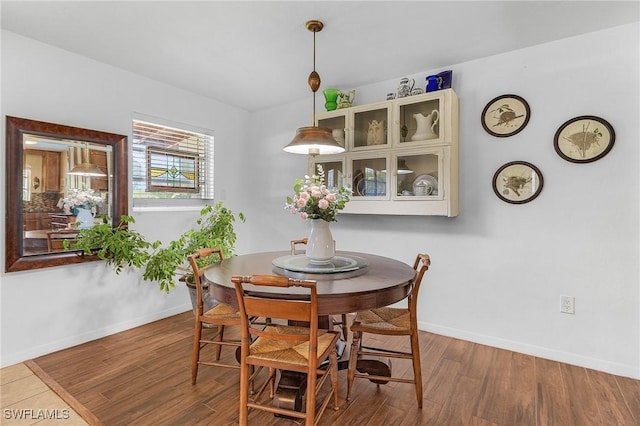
column 552, row 401
column 611, row 404
column 630, row 389
column 583, row 401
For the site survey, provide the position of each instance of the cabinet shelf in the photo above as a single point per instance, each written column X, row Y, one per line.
column 401, row 155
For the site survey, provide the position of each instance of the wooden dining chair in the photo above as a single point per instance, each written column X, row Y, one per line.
column 343, row 324
column 220, row 315
column 284, row 347
column 389, row 321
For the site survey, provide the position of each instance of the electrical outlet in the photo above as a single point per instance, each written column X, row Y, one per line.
column 567, row 304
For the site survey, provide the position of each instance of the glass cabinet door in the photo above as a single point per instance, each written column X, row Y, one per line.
column 418, row 175
column 419, row 121
column 369, row 177
column 371, row 127
column 338, row 126
column 333, row 171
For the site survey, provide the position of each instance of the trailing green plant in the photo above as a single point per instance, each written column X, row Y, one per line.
column 119, row 246
column 215, row 228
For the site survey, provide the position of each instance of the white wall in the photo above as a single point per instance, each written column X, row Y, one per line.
column 498, row 269
column 45, row 310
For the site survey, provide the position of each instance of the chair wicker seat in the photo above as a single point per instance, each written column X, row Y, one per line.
column 222, row 312
column 287, row 352
column 383, row 319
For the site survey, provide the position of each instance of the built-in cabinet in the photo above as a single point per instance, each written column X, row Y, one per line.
column 45, row 170
column 401, row 155
column 99, row 158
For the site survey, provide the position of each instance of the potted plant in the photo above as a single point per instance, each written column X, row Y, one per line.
column 215, row 229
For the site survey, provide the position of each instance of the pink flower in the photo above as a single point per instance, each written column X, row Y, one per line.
column 301, row 202
column 331, row 197
column 315, row 192
column 304, row 215
column 323, row 204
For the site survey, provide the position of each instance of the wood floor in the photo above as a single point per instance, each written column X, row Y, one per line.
column 142, row 377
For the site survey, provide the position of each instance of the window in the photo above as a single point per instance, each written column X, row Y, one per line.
column 171, row 166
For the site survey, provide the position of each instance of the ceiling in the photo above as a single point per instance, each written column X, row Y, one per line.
column 255, row 55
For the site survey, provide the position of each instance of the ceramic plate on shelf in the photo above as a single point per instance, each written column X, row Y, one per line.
column 422, row 183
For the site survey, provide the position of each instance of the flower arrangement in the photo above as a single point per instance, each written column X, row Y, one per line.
column 313, row 200
column 85, row 199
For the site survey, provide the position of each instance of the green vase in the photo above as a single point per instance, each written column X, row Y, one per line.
column 331, row 98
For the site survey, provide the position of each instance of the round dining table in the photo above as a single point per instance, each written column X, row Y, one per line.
column 382, row 282
column 374, row 282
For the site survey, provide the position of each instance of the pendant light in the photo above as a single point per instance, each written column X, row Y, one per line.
column 86, row 168
column 314, row 140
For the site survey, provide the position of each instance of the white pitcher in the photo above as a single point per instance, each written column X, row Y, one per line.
column 426, row 126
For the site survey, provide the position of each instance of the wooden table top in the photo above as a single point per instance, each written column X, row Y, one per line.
column 386, row 281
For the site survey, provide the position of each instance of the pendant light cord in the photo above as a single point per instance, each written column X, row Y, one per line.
column 313, row 117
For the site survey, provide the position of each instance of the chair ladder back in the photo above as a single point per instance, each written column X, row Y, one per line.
column 295, row 243
column 198, row 271
column 421, row 265
column 297, row 310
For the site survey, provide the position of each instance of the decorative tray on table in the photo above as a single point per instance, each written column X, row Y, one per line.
column 298, row 266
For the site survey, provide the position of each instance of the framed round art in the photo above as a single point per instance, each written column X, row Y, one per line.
column 505, row 115
column 517, row 182
column 584, row 139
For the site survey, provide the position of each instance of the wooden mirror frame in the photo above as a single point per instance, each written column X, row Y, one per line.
column 15, row 259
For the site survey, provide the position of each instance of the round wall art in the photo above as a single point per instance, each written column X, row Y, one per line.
column 517, row 182
column 584, row 139
column 505, row 115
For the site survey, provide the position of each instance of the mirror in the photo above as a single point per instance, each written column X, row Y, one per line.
column 53, row 172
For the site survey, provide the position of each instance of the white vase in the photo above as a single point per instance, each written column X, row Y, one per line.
column 320, row 248
column 84, row 218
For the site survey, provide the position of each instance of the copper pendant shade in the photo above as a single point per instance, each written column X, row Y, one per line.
column 314, row 140
column 86, row 168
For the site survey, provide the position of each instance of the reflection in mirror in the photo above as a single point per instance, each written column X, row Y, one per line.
column 63, row 178
column 60, row 177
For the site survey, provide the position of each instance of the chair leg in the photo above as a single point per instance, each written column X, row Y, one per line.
column 310, row 404
column 219, row 339
column 333, row 357
column 195, row 356
column 345, row 327
column 353, row 359
column 244, row 394
column 417, row 368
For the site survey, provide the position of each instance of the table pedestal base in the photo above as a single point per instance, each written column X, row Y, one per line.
column 291, row 386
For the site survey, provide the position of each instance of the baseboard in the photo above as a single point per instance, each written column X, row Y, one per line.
column 538, row 351
column 34, row 352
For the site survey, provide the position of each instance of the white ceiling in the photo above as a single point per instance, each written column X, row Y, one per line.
column 256, row 54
